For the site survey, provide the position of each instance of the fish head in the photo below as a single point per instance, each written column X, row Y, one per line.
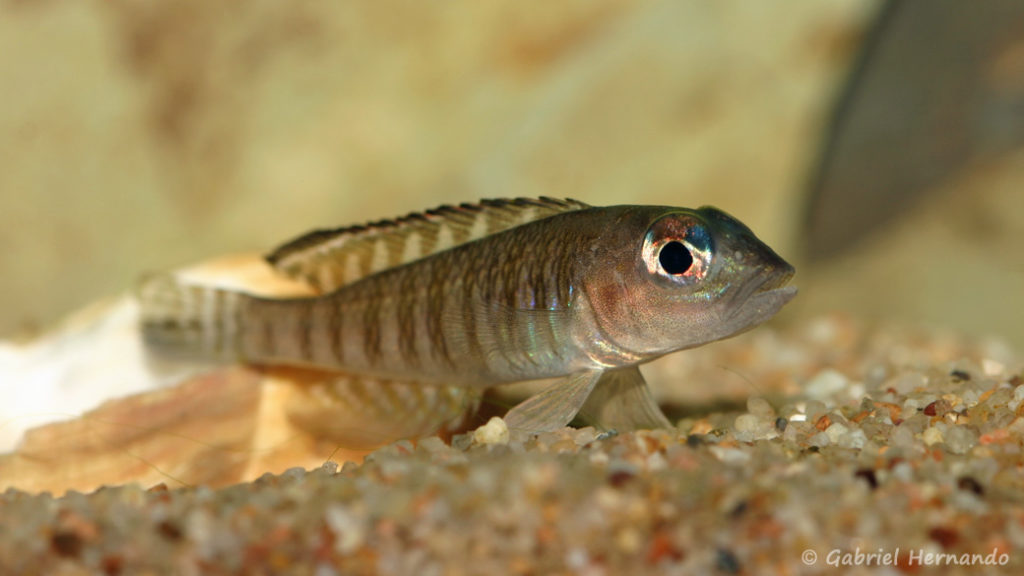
column 678, row 278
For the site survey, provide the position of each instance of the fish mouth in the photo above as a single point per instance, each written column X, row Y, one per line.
column 776, row 279
column 768, row 280
column 775, row 285
column 768, row 289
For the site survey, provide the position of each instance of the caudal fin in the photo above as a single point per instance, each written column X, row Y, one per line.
column 190, row 320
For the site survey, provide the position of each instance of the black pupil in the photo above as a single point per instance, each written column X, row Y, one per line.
column 675, row 258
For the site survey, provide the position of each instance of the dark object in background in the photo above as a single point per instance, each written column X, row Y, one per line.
column 939, row 84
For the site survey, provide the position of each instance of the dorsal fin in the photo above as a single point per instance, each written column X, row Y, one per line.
column 330, row 259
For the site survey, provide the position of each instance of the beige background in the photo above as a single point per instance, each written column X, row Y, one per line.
column 141, row 135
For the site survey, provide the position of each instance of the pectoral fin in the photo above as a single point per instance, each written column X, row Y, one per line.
column 556, row 406
column 622, row 401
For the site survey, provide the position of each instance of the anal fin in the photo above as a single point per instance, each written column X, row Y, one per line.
column 622, row 401
column 362, row 412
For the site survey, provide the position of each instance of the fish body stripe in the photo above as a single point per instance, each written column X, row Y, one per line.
column 304, row 331
column 434, row 314
column 407, row 306
column 372, row 330
column 468, row 318
column 335, row 328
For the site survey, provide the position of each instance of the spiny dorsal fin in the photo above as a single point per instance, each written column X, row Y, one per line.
column 330, row 259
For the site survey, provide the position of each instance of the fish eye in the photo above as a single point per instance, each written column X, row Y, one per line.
column 675, row 258
column 677, row 250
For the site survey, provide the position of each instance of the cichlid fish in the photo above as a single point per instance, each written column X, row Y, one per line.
column 423, row 312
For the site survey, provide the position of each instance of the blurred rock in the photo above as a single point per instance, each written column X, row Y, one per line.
column 218, row 429
column 939, row 87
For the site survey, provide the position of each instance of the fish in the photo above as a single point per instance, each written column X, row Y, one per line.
column 418, row 315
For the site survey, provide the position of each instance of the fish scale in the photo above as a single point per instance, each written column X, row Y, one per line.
column 476, row 295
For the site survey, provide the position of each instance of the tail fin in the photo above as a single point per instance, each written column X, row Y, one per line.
column 190, row 320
